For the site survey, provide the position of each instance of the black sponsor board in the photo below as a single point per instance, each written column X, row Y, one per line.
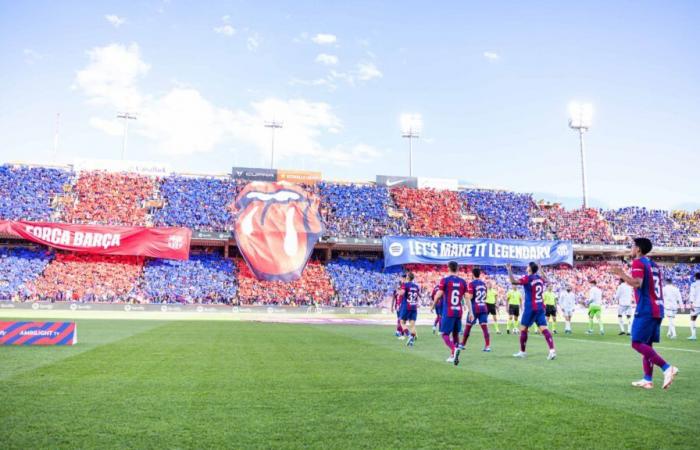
column 253, row 174
column 392, row 181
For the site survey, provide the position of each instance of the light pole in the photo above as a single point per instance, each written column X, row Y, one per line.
column 127, row 117
column 580, row 115
column 273, row 125
column 411, row 125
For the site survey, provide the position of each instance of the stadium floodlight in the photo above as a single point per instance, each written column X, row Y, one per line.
column 411, row 127
column 127, row 117
column 273, row 125
column 580, row 118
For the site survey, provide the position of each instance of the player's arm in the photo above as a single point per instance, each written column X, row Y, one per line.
column 510, row 274
column 470, row 313
column 634, row 279
column 543, row 274
column 438, row 296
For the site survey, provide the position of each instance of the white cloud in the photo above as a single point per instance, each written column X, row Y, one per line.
column 329, row 60
column 182, row 122
column 492, row 56
column 253, row 42
column 111, row 127
column 115, row 20
column 226, row 30
column 111, row 75
column 32, row 56
column 324, row 39
column 368, row 71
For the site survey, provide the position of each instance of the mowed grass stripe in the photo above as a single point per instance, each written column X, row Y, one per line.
column 199, row 384
column 91, row 334
column 600, row 376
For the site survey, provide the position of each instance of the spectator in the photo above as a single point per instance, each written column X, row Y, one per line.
column 87, row 277
column 197, row 203
column 18, row 267
column 657, row 225
column 206, row 278
column 436, row 213
column 111, row 199
column 362, row 282
column 26, row 193
column 354, row 210
column 502, row 214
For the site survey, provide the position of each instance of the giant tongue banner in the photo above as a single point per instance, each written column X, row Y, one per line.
column 167, row 242
column 277, row 227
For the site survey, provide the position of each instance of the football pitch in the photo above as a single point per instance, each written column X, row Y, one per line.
column 177, row 384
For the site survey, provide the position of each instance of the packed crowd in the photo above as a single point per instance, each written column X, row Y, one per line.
column 313, row 288
column 111, row 199
column 27, row 193
column 354, row 210
column 18, row 267
column 585, row 226
column 655, row 224
column 502, row 215
column 362, row 282
column 436, row 213
column 349, row 210
column 204, row 278
column 197, row 203
column 86, row 277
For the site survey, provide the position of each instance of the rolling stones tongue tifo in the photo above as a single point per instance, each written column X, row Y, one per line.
column 277, row 226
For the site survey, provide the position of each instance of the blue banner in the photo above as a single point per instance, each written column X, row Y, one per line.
column 486, row 252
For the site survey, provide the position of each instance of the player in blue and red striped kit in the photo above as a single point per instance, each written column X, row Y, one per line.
column 647, row 281
column 476, row 294
column 533, row 307
column 395, row 306
column 437, row 308
column 451, row 292
column 408, row 311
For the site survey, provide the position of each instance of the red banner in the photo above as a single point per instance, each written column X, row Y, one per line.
column 169, row 243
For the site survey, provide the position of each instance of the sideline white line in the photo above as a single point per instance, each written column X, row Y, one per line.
column 629, row 345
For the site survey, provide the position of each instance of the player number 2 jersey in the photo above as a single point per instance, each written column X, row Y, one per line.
column 453, row 288
column 477, row 289
column 533, row 286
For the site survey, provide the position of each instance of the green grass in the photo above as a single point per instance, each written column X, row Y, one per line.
column 243, row 384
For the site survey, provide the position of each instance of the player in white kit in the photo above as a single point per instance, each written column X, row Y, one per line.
column 695, row 306
column 623, row 296
column 672, row 300
column 567, row 303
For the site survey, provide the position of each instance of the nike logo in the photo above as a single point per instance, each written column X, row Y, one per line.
column 390, row 183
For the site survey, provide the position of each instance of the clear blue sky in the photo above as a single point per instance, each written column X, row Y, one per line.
column 491, row 80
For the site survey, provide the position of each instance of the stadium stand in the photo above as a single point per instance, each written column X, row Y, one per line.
column 88, row 278
column 658, row 225
column 435, row 213
column 26, row 193
column 353, row 210
column 502, row 215
column 690, row 225
column 584, row 226
column 111, row 199
column 314, row 287
column 204, row 278
column 197, row 203
column 19, row 266
column 362, row 282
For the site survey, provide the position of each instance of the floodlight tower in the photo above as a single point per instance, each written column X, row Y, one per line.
column 127, row 117
column 580, row 115
column 273, row 125
column 411, row 126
